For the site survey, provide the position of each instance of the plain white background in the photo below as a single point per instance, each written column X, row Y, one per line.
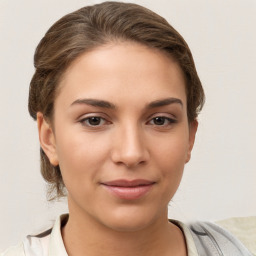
column 220, row 180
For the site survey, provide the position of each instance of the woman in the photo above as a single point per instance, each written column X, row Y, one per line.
column 116, row 97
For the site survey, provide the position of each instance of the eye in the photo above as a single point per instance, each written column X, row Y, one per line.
column 162, row 121
column 93, row 121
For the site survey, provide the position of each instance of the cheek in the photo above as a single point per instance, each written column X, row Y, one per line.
column 172, row 163
column 81, row 157
column 170, row 157
column 172, row 151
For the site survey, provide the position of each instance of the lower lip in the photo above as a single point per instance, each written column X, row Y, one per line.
column 129, row 193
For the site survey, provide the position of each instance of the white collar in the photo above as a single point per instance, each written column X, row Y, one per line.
column 56, row 245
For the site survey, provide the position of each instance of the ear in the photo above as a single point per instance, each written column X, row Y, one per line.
column 47, row 139
column 192, row 134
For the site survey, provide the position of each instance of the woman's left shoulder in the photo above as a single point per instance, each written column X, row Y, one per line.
column 244, row 228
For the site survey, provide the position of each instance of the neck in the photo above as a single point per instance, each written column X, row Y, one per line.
column 83, row 235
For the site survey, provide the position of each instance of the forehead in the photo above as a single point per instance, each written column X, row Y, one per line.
column 120, row 71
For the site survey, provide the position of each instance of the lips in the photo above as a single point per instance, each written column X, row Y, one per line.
column 128, row 189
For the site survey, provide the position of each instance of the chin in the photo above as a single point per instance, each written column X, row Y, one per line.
column 129, row 220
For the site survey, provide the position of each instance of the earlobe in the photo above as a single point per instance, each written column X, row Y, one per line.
column 47, row 139
column 192, row 134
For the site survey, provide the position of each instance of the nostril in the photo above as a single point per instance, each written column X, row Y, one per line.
column 134, row 163
column 129, row 148
column 130, row 161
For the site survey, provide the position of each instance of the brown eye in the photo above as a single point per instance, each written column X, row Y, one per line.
column 162, row 121
column 159, row 120
column 93, row 121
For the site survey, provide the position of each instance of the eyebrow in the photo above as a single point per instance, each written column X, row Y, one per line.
column 164, row 102
column 95, row 103
column 106, row 104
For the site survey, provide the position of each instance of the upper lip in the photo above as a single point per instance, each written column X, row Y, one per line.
column 128, row 183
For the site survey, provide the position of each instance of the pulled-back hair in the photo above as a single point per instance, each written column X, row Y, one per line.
column 87, row 29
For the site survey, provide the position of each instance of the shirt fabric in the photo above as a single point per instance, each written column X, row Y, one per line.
column 50, row 243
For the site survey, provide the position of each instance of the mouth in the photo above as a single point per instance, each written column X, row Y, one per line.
column 129, row 189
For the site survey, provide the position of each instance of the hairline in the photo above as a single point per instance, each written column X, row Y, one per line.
column 111, row 41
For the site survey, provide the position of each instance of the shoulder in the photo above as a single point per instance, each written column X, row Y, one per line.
column 217, row 237
column 17, row 250
column 244, row 228
column 48, row 242
column 31, row 245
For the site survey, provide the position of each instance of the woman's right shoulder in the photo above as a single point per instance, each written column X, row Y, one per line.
column 17, row 250
column 31, row 246
column 38, row 245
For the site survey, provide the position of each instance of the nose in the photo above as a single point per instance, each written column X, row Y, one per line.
column 129, row 147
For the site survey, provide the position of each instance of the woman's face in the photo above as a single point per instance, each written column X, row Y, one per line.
column 121, row 135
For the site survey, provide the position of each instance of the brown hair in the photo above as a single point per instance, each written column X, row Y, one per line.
column 85, row 30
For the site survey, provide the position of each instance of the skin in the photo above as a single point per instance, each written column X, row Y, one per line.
column 128, row 142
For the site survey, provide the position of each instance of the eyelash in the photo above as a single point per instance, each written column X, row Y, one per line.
column 167, row 121
column 85, row 121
